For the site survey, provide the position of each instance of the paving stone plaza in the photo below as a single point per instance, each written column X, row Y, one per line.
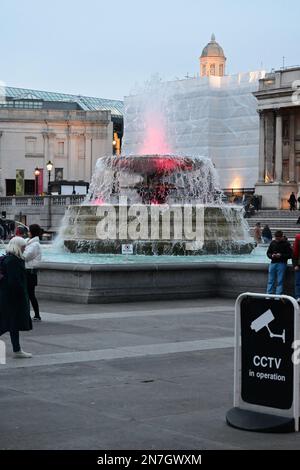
column 153, row 375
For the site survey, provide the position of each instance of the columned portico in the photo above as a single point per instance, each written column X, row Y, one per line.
column 279, row 143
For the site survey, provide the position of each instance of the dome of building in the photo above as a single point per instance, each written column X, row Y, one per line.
column 213, row 49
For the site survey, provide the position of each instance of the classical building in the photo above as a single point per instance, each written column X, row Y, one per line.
column 212, row 60
column 279, row 148
column 70, row 131
column 215, row 117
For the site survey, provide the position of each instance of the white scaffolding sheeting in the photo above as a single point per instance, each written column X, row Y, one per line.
column 214, row 117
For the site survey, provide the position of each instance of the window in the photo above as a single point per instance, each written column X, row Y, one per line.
column 30, row 145
column 29, row 187
column 10, row 187
column 61, row 148
column 221, row 70
column 212, row 69
column 203, row 70
column 59, row 174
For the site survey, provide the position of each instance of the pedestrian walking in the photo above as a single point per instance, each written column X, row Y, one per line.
column 33, row 256
column 292, row 202
column 279, row 252
column 14, row 300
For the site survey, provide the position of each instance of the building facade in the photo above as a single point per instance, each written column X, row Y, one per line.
column 212, row 60
column 279, row 144
column 71, row 132
column 214, row 117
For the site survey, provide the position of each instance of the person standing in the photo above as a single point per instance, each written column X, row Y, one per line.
column 14, row 300
column 267, row 234
column 279, row 252
column 33, row 256
column 292, row 202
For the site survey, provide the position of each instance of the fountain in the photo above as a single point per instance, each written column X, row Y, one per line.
column 156, row 205
column 151, row 201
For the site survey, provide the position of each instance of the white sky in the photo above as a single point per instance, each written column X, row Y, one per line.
column 103, row 48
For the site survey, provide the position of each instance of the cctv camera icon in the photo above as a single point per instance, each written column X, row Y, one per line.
column 263, row 322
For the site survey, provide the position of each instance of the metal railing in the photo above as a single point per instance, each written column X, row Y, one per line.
column 23, row 201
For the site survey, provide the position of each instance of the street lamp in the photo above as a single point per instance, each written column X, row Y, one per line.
column 36, row 175
column 49, row 168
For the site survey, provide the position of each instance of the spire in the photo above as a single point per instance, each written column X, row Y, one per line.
column 213, row 38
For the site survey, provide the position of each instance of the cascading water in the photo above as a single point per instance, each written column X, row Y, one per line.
column 154, row 179
column 154, row 202
column 157, row 204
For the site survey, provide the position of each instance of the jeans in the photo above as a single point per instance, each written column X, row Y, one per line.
column 297, row 284
column 276, row 271
column 15, row 340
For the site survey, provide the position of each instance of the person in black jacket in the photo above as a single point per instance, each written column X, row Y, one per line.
column 266, row 234
column 279, row 252
column 292, row 202
column 14, row 299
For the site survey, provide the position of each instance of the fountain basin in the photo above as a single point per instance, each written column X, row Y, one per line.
column 84, row 283
column 156, row 229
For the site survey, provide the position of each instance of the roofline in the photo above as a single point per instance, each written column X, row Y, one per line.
column 62, row 93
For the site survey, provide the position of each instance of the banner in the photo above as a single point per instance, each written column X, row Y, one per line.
column 20, row 183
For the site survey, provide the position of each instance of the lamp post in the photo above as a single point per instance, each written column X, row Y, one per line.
column 49, row 168
column 36, row 181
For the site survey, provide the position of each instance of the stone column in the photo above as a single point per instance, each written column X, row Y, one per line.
column 73, row 157
column 262, row 154
column 51, row 156
column 292, row 155
column 88, row 153
column 51, row 147
column 67, row 175
column 46, row 159
column 278, row 149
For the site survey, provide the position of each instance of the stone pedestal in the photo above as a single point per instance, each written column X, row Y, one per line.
column 275, row 195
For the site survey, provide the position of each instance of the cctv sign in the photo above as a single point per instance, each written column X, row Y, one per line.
column 266, row 374
column 267, row 332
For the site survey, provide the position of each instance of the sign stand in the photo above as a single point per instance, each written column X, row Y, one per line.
column 266, row 363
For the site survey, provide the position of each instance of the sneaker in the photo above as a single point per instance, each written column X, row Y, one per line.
column 22, row 355
column 37, row 319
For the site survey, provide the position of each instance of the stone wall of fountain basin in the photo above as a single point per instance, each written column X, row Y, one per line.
column 132, row 283
column 221, row 229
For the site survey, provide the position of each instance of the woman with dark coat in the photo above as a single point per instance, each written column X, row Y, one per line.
column 14, row 300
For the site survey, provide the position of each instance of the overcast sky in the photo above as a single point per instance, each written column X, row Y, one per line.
column 104, row 48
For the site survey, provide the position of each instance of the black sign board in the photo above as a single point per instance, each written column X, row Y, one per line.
column 267, row 336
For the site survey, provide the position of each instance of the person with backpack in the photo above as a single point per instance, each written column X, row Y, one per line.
column 33, row 256
column 14, row 299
